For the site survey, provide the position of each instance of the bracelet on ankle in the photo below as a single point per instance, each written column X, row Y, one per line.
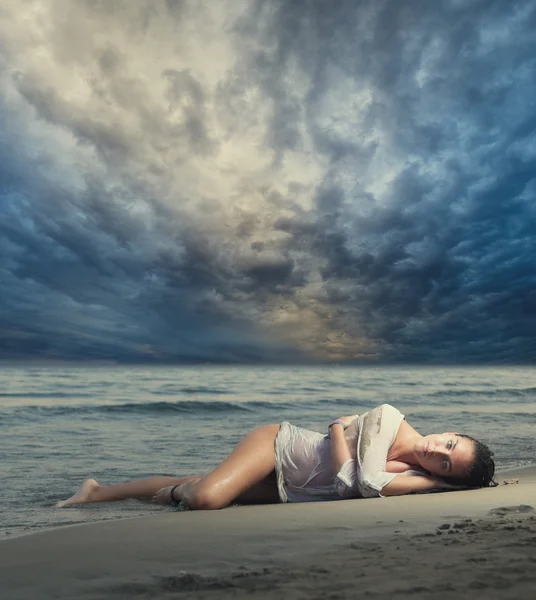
column 173, row 501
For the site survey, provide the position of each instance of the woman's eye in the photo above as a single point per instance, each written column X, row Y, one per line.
column 444, row 465
column 449, row 444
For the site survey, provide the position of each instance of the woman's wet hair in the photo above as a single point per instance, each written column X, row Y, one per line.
column 482, row 470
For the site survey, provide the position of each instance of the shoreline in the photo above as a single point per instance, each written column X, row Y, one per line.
column 501, row 475
column 292, row 548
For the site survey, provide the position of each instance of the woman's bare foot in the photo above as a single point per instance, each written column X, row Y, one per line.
column 82, row 496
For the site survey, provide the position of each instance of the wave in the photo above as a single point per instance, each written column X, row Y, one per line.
column 220, row 408
column 192, row 407
column 163, row 391
column 155, row 408
column 45, row 395
column 515, row 392
column 166, row 390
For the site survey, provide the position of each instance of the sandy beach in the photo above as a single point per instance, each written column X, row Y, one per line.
column 468, row 544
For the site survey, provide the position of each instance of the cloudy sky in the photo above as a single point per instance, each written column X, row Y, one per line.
column 268, row 180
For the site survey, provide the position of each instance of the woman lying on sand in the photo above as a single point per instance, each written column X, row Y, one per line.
column 375, row 454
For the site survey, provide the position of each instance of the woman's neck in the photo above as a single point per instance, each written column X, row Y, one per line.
column 403, row 447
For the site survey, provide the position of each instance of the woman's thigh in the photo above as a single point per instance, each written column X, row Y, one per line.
column 249, row 464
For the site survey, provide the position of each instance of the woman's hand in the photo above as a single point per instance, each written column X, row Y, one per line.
column 163, row 496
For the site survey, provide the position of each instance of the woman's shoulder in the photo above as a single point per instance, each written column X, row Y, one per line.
column 386, row 406
column 385, row 409
column 382, row 417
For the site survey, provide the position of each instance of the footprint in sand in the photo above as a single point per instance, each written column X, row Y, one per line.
column 501, row 511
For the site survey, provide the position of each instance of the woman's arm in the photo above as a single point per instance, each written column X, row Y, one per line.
column 407, row 484
column 397, row 466
column 344, row 466
column 340, row 453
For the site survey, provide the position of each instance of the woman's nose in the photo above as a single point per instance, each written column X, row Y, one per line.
column 433, row 449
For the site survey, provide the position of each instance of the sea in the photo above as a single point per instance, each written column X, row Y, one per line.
column 61, row 424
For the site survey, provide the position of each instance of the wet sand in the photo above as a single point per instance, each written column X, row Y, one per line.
column 469, row 544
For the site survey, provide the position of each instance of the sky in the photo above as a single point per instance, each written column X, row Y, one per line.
column 268, row 181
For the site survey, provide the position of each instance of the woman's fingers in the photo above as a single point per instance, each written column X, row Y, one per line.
column 163, row 496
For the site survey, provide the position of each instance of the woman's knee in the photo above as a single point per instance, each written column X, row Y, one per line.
column 251, row 461
column 205, row 497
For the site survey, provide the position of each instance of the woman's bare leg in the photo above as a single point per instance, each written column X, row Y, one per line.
column 142, row 489
column 243, row 470
column 250, row 463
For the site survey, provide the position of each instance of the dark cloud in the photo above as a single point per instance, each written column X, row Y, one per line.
column 419, row 266
column 358, row 182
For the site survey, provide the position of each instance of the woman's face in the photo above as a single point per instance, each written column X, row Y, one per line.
column 445, row 454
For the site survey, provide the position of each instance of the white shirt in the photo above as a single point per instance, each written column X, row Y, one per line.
column 304, row 464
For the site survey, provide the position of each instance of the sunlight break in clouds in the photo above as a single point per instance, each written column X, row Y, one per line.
column 267, row 181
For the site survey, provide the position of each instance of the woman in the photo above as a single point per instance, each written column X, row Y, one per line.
column 374, row 454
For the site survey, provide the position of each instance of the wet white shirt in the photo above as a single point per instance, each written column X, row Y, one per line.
column 304, row 463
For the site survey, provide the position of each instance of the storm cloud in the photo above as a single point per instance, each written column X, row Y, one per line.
column 268, row 181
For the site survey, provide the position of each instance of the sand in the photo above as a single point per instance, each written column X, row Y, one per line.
column 469, row 544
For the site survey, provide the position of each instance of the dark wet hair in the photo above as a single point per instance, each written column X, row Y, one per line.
column 482, row 470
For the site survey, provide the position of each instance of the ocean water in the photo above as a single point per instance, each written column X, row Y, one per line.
column 60, row 425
